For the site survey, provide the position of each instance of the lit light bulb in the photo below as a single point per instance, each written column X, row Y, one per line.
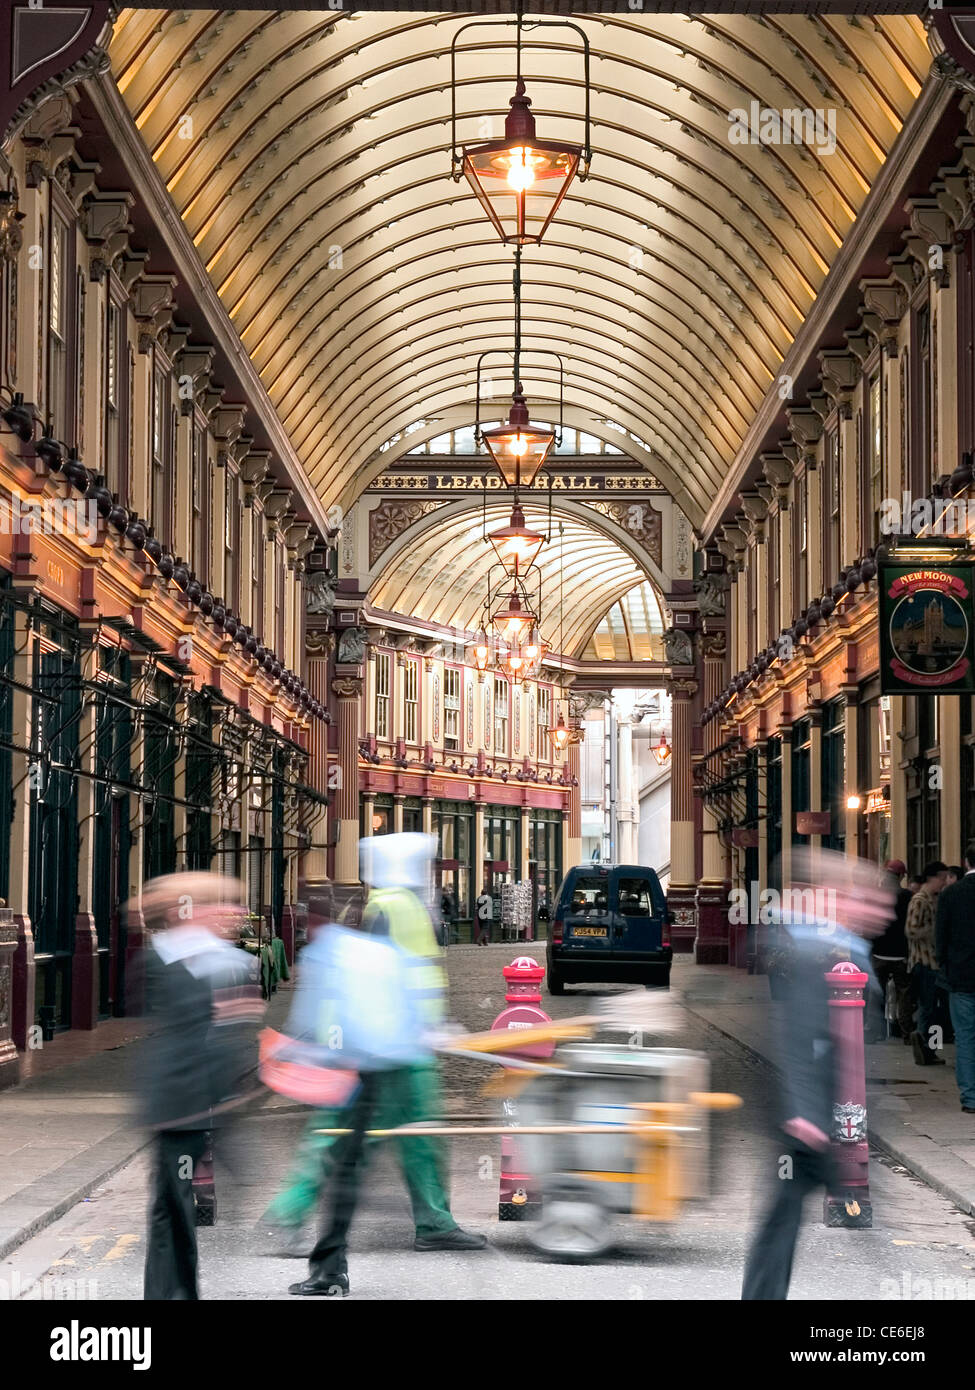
column 518, row 446
column 521, row 175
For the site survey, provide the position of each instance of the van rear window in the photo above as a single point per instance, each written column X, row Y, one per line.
column 590, row 897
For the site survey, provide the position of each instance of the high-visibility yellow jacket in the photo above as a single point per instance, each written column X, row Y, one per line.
column 399, row 914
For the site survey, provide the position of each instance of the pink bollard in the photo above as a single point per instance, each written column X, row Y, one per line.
column 518, row 1197
column 849, row 1203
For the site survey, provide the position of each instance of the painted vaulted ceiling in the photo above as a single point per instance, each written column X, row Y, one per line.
column 308, row 155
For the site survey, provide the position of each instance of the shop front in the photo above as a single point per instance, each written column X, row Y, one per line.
column 453, row 824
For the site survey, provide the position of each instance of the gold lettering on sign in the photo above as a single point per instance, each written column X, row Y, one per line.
column 55, row 572
column 466, row 482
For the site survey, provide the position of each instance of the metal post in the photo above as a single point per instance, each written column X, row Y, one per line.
column 848, row 1204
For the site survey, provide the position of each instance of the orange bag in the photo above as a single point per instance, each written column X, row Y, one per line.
column 285, row 1070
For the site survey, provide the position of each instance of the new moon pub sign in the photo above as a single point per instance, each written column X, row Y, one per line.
column 927, row 628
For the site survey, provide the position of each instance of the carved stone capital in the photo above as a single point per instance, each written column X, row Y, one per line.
column 227, row 422
column 858, row 341
column 839, row 373
column 152, row 304
column 885, row 303
column 714, row 646
column 347, row 687
column 777, row 471
column 806, row 428
column 318, row 642
column 755, row 508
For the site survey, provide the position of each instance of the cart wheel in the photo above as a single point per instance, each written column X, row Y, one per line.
column 570, row 1230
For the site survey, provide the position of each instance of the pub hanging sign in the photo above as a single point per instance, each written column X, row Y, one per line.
column 927, row 627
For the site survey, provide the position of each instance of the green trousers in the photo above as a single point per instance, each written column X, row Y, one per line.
column 407, row 1095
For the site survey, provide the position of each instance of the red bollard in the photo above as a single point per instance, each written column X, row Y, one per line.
column 849, row 1204
column 518, row 1198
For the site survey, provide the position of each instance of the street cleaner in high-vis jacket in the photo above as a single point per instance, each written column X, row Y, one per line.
column 397, row 870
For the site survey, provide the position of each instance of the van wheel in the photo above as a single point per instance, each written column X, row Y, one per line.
column 556, row 985
column 658, row 978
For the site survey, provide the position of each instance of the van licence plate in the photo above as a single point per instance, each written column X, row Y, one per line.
column 588, row 931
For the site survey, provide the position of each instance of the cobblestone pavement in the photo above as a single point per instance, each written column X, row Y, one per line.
column 920, row 1246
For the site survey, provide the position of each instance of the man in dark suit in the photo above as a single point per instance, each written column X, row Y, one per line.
column 205, row 994
column 850, row 905
column 955, row 937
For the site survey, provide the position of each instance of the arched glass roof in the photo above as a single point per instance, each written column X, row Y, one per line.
column 307, row 153
column 631, row 630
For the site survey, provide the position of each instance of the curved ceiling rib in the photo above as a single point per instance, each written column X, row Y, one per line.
column 439, row 572
column 364, row 282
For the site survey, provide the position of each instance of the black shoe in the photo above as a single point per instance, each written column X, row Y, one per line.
column 451, row 1240
column 969, row 1109
column 322, row 1286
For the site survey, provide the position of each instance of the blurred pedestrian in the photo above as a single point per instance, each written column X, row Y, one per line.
column 205, row 996
column 485, row 916
column 397, row 869
column 955, row 945
column 890, row 960
column 850, row 908
column 922, row 962
column 955, row 874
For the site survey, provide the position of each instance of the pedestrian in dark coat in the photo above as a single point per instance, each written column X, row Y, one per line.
column 955, row 939
column 204, row 993
column 850, row 906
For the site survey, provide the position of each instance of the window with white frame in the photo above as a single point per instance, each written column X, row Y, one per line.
column 410, row 702
column 544, row 719
column 500, row 715
column 451, row 709
column 58, row 320
column 382, row 694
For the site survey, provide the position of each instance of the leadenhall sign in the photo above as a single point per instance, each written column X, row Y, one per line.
column 927, row 628
column 479, row 482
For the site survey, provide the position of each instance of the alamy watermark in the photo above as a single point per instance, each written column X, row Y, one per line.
column 768, row 125
column 931, row 516
column 766, row 906
column 52, row 516
column 49, row 1288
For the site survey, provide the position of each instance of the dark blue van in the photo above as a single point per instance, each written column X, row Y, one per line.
column 610, row 925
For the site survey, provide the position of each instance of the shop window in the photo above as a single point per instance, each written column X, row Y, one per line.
column 162, row 486
column 232, row 539
column 833, row 772
column 59, row 325
column 501, row 692
column 800, row 572
column 451, row 709
column 874, row 458
column 545, row 856
column 801, row 752
column 775, row 619
column 200, row 514
column 382, row 694
column 411, row 717
column 832, row 559
column 773, row 811
column 544, row 721
column 116, row 364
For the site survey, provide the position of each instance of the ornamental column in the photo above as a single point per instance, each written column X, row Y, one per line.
column 682, row 892
column 348, row 690
column 626, row 849
column 314, row 863
column 711, row 942
column 573, row 842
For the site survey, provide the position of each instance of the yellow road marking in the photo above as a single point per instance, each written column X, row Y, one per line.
column 120, row 1248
